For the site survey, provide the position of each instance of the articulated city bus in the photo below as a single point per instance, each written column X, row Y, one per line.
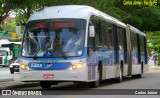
column 80, row 44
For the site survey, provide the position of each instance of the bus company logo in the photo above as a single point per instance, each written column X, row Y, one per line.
column 48, row 66
column 6, row 92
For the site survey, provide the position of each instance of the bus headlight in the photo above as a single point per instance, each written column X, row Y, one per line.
column 24, row 67
column 76, row 66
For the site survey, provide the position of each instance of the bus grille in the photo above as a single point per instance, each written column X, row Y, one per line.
column 0, row 60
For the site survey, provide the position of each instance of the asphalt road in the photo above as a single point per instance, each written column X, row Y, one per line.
column 107, row 89
column 150, row 80
column 6, row 76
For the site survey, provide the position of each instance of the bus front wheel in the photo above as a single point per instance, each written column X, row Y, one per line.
column 45, row 84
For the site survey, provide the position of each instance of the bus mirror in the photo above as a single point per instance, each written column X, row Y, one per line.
column 91, row 31
column 18, row 29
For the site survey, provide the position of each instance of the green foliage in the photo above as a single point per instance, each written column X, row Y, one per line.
column 154, row 38
column 133, row 20
column 116, row 12
column 6, row 6
column 18, row 39
column 150, row 17
column 10, row 27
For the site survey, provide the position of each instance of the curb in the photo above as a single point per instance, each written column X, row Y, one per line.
column 7, row 80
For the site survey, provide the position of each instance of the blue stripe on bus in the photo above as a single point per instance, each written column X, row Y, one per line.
column 49, row 66
column 45, row 58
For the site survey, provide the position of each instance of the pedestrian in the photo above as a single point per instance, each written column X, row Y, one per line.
column 149, row 53
column 155, row 58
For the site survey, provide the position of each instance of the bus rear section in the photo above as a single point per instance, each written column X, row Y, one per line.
column 138, row 52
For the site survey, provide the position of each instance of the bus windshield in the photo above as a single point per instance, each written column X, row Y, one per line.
column 54, row 38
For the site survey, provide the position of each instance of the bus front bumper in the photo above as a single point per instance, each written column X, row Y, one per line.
column 54, row 75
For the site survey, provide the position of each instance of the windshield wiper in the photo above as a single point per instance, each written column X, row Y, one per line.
column 35, row 55
column 59, row 49
column 63, row 54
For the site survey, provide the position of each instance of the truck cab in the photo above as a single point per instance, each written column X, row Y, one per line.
column 5, row 56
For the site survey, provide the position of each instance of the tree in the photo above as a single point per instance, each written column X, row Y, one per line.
column 10, row 27
column 150, row 17
column 26, row 7
column 4, row 10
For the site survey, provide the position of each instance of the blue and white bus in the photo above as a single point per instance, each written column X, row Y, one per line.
column 80, row 44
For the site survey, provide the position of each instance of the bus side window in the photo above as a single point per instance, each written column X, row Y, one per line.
column 91, row 46
column 110, row 36
column 105, row 34
column 98, row 35
column 120, row 38
column 134, row 41
column 91, row 43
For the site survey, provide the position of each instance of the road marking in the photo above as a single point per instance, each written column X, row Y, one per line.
column 71, row 96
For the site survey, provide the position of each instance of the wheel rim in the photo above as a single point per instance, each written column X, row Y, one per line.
column 98, row 77
column 98, row 74
column 120, row 75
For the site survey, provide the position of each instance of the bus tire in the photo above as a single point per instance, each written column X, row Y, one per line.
column 95, row 84
column 140, row 75
column 45, row 84
column 137, row 76
column 120, row 77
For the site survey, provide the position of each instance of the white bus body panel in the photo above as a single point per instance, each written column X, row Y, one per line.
column 88, row 73
column 59, row 75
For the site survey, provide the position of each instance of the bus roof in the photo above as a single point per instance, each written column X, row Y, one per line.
column 133, row 29
column 73, row 11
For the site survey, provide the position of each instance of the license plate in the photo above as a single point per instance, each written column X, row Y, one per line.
column 48, row 76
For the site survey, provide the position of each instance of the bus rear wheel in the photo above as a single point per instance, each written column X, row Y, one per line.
column 137, row 76
column 45, row 84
